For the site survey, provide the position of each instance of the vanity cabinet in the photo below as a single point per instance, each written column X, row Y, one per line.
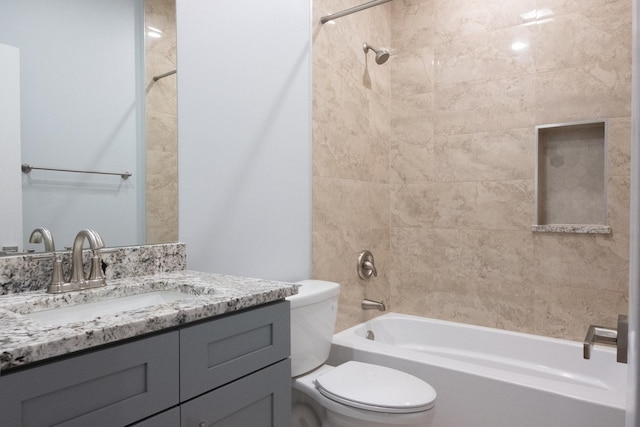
column 232, row 370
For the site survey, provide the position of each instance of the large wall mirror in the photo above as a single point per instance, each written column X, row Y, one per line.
column 89, row 102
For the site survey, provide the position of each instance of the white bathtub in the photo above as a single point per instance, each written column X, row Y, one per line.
column 493, row 378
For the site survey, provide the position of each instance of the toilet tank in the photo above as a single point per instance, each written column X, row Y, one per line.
column 313, row 319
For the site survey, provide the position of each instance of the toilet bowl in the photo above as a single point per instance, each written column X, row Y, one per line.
column 353, row 394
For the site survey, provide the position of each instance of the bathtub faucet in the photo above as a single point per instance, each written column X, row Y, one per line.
column 617, row 337
column 368, row 304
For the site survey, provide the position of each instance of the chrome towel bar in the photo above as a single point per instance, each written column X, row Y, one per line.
column 27, row 169
column 162, row 76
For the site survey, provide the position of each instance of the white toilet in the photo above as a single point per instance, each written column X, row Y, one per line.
column 353, row 394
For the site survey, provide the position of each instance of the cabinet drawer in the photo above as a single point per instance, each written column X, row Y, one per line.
column 215, row 353
column 262, row 399
column 111, row 387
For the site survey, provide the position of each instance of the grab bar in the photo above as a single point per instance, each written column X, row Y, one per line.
column 27, row 169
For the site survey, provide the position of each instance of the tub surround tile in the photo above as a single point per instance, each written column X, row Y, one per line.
column 486, row 56
column 412, row 117
column 418, row 29
column 347, row 204
column 508, row 311
column 619, row 144
column 462, row 18
column 474, row 107
column 23, row 340
column 583, row 93
column 563, row 7
column 619, row 189
column 417, row 71
column 344, row 248
column 597, row 262
column 499, row 155
column 566, row 312
column 597, row 36
column 462, row 110
column 412, row 161
column 406, row 297
column 500, row 262
column 495, row 205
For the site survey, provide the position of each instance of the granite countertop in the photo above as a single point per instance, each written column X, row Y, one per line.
column 24, row 340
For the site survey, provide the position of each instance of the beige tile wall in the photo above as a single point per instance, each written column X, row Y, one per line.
column 351, row 148
column 161, row 124
column 452, row 117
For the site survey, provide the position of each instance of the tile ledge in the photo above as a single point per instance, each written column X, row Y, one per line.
column 572, row 228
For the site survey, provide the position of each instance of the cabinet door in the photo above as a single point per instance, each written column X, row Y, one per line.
column 262, row 399
column 170, row 418
column 217, row 352
column 111, row 387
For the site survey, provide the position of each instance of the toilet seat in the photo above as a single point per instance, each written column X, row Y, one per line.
column 376, row 388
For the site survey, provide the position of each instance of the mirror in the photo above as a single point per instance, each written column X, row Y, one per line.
column 89, row 103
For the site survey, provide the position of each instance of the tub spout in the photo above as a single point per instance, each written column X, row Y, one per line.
column 611, row 336
column 368, row 304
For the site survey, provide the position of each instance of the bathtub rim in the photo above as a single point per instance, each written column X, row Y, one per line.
column 615, row 398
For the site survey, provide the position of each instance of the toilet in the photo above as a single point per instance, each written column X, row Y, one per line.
column 353, row 394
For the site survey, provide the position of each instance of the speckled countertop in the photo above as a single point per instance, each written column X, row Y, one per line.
column 24, row 340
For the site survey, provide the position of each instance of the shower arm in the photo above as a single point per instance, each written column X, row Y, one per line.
column 354, row 9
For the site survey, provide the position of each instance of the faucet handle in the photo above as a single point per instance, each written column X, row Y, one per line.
column 366, row 265
column 96, row 275
column 58, row 283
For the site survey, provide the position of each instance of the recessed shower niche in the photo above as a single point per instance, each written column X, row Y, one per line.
column 571, row 186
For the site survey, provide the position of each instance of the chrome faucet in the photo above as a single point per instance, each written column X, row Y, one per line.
column 41, row 234
column 79, row 279
column 618, row 337
column 368, row 304
column 366, row 265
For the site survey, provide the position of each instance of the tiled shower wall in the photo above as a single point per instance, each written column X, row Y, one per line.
column 450, row 219
column 161, row 124
column 351, row 132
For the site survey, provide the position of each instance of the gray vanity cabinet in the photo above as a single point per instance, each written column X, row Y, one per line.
column 170, row 418
column 261, row 399
column 228, row 371
column 112, row 387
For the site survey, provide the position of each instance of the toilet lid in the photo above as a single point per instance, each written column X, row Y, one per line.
column 376, row 388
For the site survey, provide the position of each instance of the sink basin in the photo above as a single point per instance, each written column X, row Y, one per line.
column 108, row 307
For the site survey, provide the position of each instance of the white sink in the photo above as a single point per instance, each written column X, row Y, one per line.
column 108, row 307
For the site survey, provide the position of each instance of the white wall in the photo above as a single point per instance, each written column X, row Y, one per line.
column 244, row 102
column 79, row 111
column 10, row 183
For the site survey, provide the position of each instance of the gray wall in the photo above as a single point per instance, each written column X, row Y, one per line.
column 244, row 136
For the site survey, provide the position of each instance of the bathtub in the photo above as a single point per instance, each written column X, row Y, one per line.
column 493, row 378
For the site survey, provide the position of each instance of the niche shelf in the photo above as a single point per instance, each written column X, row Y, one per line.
column 571, row 178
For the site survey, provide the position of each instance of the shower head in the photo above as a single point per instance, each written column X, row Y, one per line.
column 381, row 54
